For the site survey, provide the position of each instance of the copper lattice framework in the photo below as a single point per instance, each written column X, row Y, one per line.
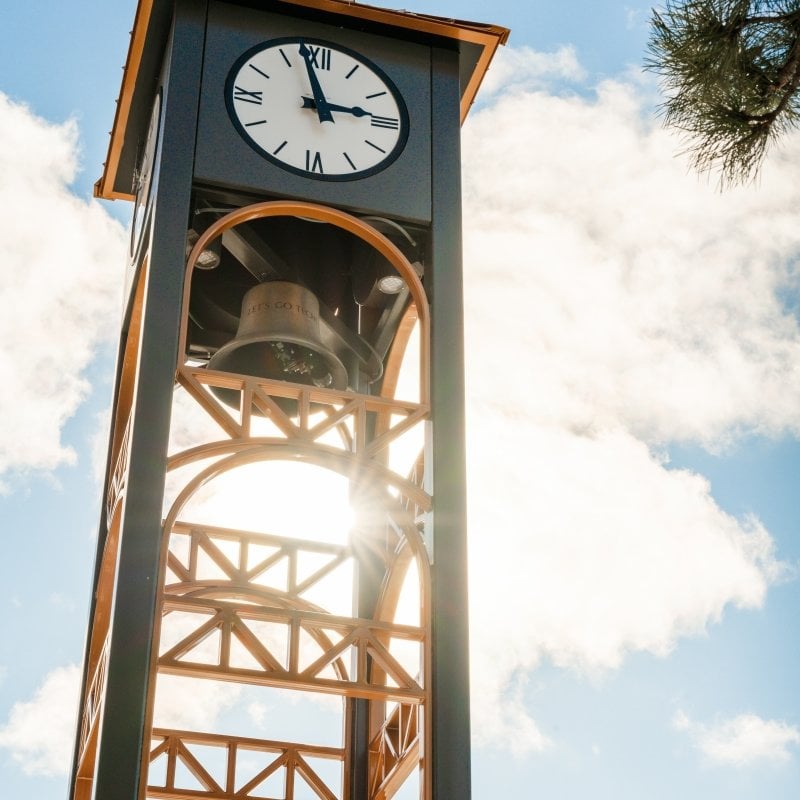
column 282, row 639
column 242, row 596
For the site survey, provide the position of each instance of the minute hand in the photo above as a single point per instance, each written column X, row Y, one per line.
column 321, row 104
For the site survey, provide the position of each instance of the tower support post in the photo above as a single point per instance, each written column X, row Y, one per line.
column 450, row 631
column 123, row 716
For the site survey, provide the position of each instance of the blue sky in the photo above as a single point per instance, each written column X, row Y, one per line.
column 633, row 454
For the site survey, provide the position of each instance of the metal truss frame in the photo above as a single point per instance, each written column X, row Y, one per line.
column 353, row 658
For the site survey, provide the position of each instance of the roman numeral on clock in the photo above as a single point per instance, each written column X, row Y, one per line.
column 314, row 162
column 385, row 122
column 246, row 96
column 320, row 57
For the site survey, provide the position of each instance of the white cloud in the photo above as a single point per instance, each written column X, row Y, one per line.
column 620, row 288
column 515, row 69
column 500, row 718
column 98, row 444
column 257, row 712
column 62, row 260
column 190, row 704
column 614, row 551
column 583, row 549
column 744, row 740
column 636, row 17
column 614, row 304
column 40, row 732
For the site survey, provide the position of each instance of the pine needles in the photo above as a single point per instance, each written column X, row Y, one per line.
column 731, row 72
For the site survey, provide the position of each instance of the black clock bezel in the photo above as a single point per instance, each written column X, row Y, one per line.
column 361, row 174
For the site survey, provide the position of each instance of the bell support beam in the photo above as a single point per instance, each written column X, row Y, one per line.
column 118, row 772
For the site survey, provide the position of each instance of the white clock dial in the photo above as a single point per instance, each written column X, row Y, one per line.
column 317, row 109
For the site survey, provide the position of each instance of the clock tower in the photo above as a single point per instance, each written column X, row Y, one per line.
column 280, row 602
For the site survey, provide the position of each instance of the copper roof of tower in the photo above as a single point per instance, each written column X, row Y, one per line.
column 478, row 43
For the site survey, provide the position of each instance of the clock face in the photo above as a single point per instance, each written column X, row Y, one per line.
column 317, row 109
column 143, row 175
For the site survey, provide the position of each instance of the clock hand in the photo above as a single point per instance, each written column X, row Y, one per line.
column 377, row 121
column 323, row 110
column 356, row 111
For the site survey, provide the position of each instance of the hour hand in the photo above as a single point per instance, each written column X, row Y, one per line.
column 323, row 109
column 376, row 120
column 356, row 111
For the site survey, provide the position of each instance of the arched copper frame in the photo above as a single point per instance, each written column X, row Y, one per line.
column 340, row 219
column 400, row 737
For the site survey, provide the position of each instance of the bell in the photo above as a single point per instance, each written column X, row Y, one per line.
column 279, row 338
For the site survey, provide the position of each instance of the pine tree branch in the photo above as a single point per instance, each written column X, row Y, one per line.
column 790, row 18
column 732, row 77
column 790, row 74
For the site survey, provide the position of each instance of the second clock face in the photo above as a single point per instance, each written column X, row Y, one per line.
column 317, row 109
column 143, row 177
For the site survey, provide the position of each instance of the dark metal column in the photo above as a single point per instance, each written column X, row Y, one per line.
column 450, row 650
column 118, row 769
column 371, row 569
